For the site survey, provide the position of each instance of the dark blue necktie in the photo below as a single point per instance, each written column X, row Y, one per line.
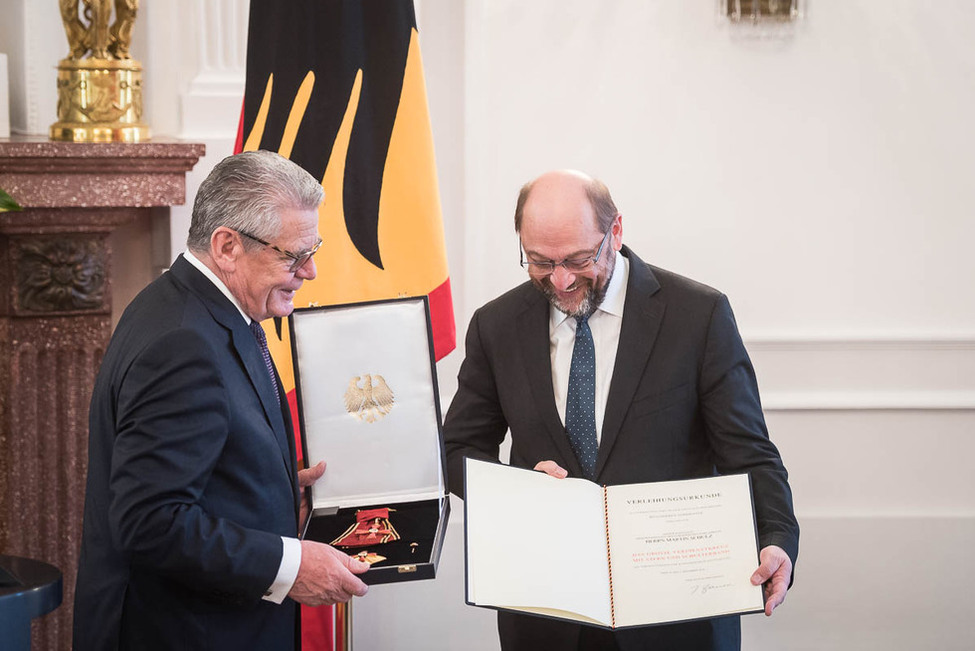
column 580, row 404
column 262, row 344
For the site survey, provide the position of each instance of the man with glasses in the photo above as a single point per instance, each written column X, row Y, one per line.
column 192, row 509
column 604, row 367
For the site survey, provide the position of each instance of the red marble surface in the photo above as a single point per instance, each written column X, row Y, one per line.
column 72, row 192
column 41, row 173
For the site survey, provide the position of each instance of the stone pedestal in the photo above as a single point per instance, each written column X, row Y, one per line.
column 56, row 276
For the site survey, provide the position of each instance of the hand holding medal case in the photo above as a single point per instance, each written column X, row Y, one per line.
column 368, row 404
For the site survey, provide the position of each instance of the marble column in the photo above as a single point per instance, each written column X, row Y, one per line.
column 56, row 277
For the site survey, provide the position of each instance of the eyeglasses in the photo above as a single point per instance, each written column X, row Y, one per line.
column 298, row 260
column 572, row 265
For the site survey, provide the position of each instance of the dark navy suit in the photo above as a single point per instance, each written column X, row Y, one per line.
column 191, row 481
column 683, row 403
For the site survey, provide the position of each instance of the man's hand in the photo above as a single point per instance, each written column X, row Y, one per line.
column 774, row 572
column 551, row 469
column 327, row 576
column 306, row 478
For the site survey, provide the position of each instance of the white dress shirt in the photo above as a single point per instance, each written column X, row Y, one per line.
column 605, row 324
column 291, row 556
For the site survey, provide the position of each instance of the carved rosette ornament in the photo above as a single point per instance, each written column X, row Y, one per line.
column 61, row 275
column 99, row 97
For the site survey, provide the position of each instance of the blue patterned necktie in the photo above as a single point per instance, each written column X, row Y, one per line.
column 580, row 404
column 262, row 343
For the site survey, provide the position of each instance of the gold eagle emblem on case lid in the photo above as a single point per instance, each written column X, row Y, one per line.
column 370, row 402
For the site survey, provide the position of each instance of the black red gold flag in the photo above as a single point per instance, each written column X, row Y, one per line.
column 338, row 87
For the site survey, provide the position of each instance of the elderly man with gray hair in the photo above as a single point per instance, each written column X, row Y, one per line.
column 193, row 502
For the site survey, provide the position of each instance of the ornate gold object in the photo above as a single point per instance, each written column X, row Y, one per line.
column 370, row 557
column 371, row 527
column 369, row 402
column 762, row 10
column 99, row 97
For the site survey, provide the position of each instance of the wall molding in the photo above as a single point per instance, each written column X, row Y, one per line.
column 773, row 401
column 841, row 341
column 862, row 372
column 949, row 515
column 210, row 106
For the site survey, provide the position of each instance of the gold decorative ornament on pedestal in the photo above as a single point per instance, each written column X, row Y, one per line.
column 99, row 97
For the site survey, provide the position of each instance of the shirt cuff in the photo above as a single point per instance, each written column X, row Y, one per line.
column 287, row 571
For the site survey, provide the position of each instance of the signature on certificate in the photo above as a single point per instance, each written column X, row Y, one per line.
column 704, row 588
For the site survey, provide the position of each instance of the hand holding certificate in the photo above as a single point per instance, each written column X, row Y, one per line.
column 616, row 556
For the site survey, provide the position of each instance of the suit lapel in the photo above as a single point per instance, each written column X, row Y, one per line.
column 533, row 325
column 277, row 412
column 253, row 361
column 289, row 431
column 642, row 316
column 224, row 313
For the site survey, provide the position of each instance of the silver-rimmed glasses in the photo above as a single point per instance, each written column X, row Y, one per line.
column 572, row 265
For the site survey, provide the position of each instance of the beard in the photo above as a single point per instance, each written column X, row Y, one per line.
column 594, row 292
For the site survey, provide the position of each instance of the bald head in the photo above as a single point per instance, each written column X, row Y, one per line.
column 557, row 198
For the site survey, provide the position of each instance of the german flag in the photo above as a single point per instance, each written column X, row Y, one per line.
column 337, row 86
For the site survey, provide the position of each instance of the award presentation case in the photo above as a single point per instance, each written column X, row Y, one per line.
column 368, row 404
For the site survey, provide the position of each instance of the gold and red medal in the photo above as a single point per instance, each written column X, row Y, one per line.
column 371, row 527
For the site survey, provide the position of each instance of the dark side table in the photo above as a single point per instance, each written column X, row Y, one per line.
column 28, row 589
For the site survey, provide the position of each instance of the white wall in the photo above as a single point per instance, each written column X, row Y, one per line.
column 195, row 65
column 817, row 175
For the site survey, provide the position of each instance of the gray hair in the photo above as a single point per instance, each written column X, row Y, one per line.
column 247, row 192
column 597, row 193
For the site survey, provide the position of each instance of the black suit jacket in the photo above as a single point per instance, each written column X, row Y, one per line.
column 683, row 403
column 191, row 481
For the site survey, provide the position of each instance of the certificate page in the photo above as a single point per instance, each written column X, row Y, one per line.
column 536, row 543
column 682, row 550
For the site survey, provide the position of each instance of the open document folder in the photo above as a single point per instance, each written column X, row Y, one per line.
column 613, row 556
